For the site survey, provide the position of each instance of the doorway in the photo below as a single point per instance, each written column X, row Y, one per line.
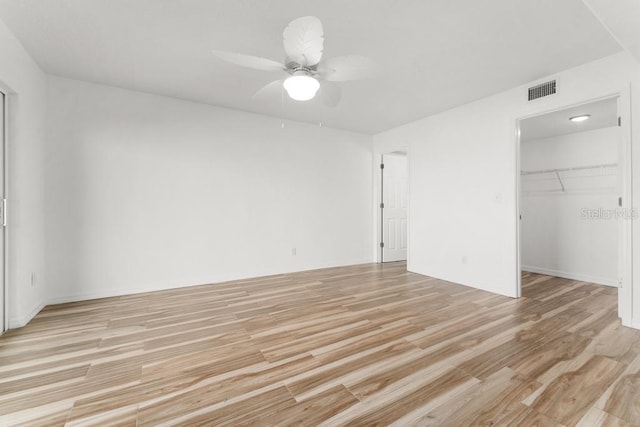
column 393, row 207
column 574, row 195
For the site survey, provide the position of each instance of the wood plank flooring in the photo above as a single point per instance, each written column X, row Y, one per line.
column 361, row 345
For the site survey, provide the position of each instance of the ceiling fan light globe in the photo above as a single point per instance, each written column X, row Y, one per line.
column 301, row 88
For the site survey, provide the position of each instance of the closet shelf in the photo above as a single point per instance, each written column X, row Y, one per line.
column 578, row 168
column 600, row 191
column 570, row 176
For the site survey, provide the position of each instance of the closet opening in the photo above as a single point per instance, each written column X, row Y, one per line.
column 574, row 207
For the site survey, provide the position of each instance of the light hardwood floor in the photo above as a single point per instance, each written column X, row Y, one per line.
column 362, row 345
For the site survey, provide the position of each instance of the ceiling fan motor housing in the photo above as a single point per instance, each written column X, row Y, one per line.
column 296, row 69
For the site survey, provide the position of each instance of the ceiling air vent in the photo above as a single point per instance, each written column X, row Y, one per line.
column 544, row 89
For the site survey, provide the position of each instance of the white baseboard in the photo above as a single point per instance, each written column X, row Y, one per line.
column 19, row 322
column 511, row 293
column 109, row 293
column 573, row 276
column 635, row 323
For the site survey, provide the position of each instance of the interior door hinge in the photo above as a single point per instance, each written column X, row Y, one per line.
column 381, row 165
column 620, row 201
column 619, row 121
column 4, row 212
column 382, row 244
column 381, row 205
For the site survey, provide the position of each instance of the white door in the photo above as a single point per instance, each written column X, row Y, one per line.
column 394, row 210
column 3, row 321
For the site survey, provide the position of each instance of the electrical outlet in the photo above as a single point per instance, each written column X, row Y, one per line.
column 294, row 251
column 33, row 279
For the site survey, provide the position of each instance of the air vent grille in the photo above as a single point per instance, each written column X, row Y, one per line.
column 544, row 89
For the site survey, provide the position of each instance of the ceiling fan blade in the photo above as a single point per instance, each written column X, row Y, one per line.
column 330, row 94
column 249, row 61
column 304, row 40
column 271, row 90
column 348, row 67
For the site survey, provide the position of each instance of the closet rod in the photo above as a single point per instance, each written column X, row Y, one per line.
column 605, row 165
column 606, row 190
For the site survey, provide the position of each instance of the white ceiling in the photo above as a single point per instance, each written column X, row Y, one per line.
column 437, row 54
column 603, row 113
column 622, row 19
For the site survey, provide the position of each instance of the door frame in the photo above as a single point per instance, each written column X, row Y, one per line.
column 625, row 293
column 377, row 200
column 4, row 146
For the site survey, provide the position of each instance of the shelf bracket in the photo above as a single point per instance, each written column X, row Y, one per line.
column 560, row 180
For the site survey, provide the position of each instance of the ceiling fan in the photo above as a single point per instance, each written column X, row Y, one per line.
column 307, row 72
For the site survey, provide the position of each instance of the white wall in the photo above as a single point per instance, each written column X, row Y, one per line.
column 557, row 236
column 26, row 85
column 146, row 192
column 462, row 176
